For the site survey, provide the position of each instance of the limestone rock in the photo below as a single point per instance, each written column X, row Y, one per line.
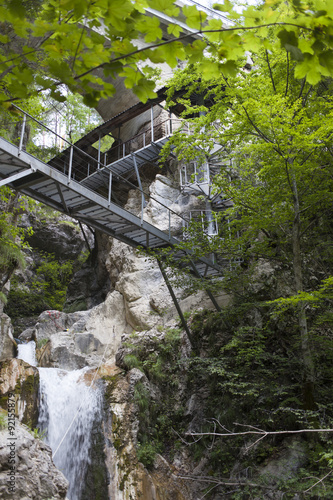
column 51, row 322
column 18, row 377
column 166, row 195
column 128, row 477
column 35, row 475
column 7, row 342
column 60, row 236
column 82, row 338
column 290, row 459
column 91, row 284
column 138, row 281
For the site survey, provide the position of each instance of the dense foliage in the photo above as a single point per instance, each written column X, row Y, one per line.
column 47, row 43
column 275, row 175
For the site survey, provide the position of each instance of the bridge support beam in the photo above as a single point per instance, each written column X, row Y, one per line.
column 175, row 301
column 209, row 293
column 16, row 177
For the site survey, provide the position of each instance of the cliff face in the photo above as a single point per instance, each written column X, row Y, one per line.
column 135, row 299
column 160, row 390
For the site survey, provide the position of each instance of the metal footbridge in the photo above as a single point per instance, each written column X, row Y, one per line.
column 93, row 187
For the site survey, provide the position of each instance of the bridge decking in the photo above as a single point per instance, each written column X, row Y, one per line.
column 81, row 186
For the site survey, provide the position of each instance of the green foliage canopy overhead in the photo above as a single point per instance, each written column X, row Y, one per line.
column 44, row 44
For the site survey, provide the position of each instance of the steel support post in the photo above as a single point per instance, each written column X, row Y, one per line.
column 110, row 187
column 209, row 293
column 22, row 133
column 70, row 165
column 99, row 152
column 140, row 187
column 152, row 123
column 175, row 301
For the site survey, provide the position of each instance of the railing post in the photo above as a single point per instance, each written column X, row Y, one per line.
column 169, row 225
column 170, row 122
column 70, row 164
column 144, row 139
column 110, row 188
column 140, row 187
column 152, row 123
column 99, row 152
column 22, row 133
column 123, row 150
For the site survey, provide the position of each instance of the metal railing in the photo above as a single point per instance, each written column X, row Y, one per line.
column 141, row 140
column 77, row 165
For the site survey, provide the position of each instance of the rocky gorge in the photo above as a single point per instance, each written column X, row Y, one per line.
column 159, row 387
column 132, row 301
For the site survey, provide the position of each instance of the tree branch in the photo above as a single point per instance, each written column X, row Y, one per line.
column 270, row 70
column 287, row 82
column 182, row 37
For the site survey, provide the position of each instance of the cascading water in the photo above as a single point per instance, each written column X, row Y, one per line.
column 68, row 409
column 27, row 352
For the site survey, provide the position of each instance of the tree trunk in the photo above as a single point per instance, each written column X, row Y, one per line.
column 307, row 358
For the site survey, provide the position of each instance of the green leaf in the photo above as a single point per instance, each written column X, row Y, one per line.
column 132, row 77
column 150, row 27
column 117, row 13
column 16, row 8
column 213, row 24
column 171, row 53
column 166, row 6
column 112, row 69
column 305, row 45
column 144, row 90
column 251, row 42
column 210, row 70
column 310, row 68
column 58, row 96
column 226, row 6
column 326, row 60
column 194, row 17
column 174, row 29
column 195, row 50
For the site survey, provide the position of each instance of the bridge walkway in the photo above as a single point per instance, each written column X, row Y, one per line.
column 81, row 186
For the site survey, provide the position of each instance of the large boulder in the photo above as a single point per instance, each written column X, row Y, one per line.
column 59, row 235
column 22, row 380
column 74, row 340
column 33, row 475
column 7, row 342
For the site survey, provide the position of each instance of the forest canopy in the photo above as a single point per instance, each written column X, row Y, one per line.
column 45, row 45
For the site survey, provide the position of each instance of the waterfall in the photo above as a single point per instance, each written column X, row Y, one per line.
column 68, row 408
column 27, row 352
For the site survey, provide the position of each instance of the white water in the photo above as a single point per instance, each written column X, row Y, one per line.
column 27, row 352
column 68, row 408
column 67, row 405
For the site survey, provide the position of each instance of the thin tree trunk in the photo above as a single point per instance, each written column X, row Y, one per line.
column 307, row 358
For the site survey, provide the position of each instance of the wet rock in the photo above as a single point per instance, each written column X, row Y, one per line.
column 128, row 477
column 91, row 284
column 19, row 378
column 35, row 475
